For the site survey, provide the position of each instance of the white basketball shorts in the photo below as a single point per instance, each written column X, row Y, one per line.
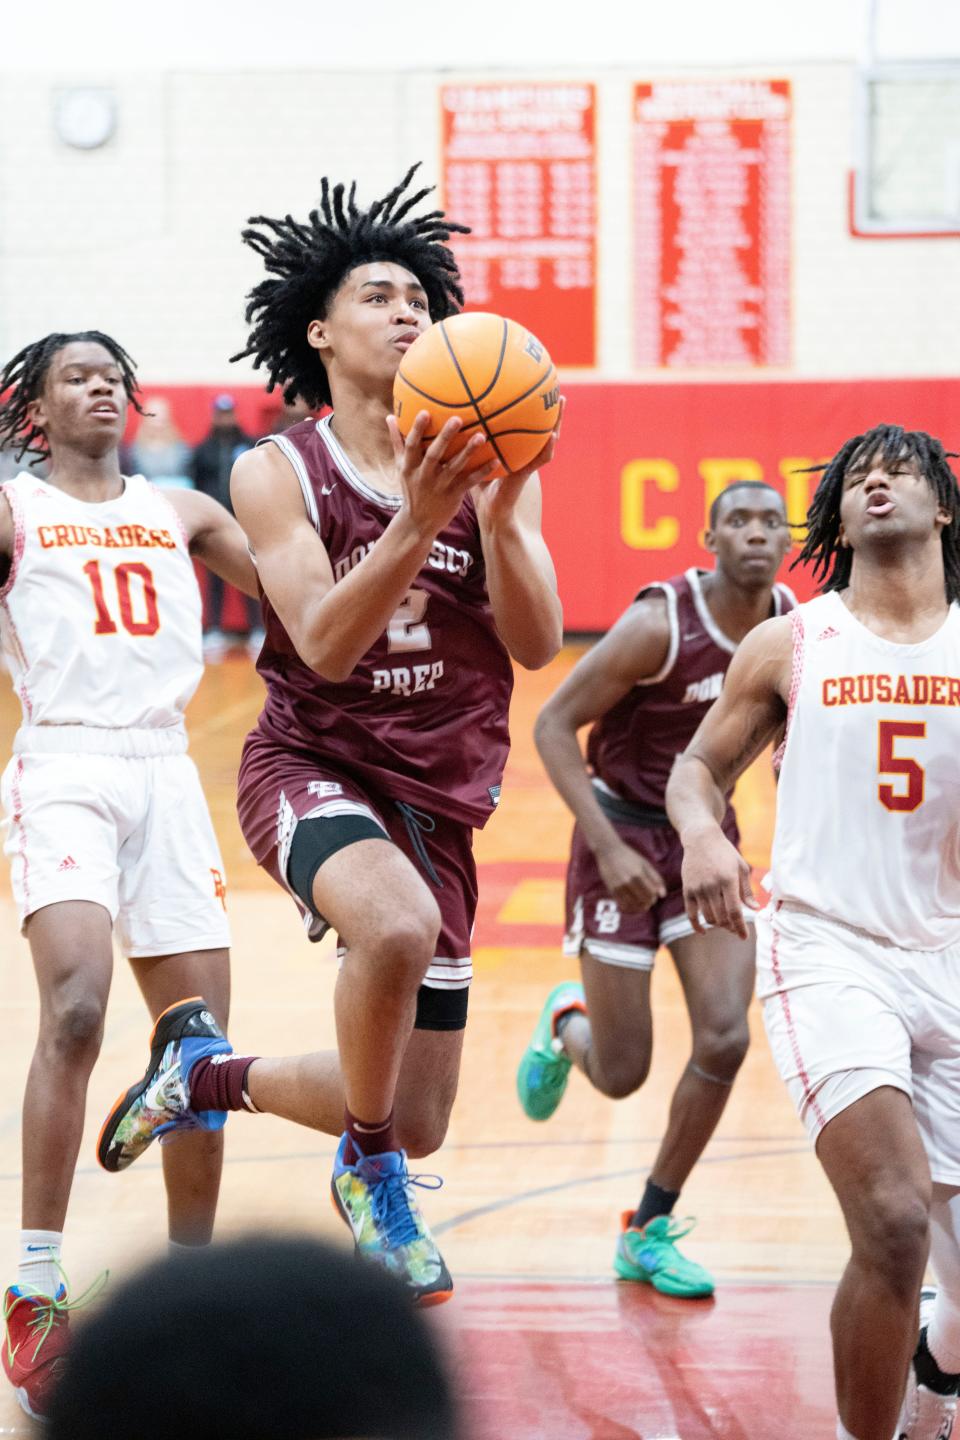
column 132, row 834
column 847, row 1012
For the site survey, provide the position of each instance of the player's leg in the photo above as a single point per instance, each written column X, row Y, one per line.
column 716, row 971
column 192, row 1165
column 874, row 1159
column 838, row 1014
column 73, row 958
column 72, row 955
column 603, row 1025
column 717, row 974
column 63, row 812
column 930, row 1402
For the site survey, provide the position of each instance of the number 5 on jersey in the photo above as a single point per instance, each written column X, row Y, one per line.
column 908, row 796
column 123, row 575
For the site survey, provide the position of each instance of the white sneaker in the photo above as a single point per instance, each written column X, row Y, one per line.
column 214, row 645
column 924, row 1414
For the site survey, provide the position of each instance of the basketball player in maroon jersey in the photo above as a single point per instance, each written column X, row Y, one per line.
column 397, row 588
column 645, row 688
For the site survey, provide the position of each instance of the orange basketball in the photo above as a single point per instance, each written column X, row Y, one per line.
column 491, row 372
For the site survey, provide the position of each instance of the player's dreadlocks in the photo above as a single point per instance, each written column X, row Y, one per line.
column 311, row 259
column 22, row 378
column 831, row 561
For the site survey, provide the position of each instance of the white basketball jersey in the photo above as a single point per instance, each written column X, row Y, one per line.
column 868, row 805
column 100, row 616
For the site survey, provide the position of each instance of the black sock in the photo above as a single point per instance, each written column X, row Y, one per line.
column 655, row 1201
column 929, row 1372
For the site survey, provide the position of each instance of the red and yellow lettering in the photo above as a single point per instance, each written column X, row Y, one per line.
column 634, row 529
column 902, row 696
column 884, row 689
column 938, row 686
column 60, row 531
column 865, row 689
column 830, row 691
column 954, row 683
column 103, row 625
column 45, row 532
column 125, row 536
column 921, row 689
column 109, row 539
column 890, row 764
column 150, row 624
column 847, row 690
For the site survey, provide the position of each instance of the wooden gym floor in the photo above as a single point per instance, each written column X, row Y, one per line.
column 547, row 1345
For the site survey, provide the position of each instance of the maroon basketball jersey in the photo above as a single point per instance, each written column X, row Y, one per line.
column 632, row 748
column 423, row 717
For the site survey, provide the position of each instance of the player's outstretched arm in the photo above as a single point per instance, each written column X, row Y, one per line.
column 749, row 713
column 332, row 625
column 216, row 538
column 634, row 649
column 521, row 579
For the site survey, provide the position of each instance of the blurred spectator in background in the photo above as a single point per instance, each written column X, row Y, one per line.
column 278, row 1339
column 210, row 470
column 158, row 450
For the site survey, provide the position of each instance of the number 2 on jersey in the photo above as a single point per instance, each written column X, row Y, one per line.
column 405, row 628
column 105, row 623
column 889, row 763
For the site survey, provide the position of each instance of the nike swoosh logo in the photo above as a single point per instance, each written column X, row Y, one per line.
column 327, row 489
column 45, row 1248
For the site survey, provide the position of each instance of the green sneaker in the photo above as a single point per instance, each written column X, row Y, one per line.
column 545, row 1069
column 651, row 1256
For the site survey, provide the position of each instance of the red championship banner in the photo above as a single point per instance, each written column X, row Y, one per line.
column 712, row 222
column 519, row 167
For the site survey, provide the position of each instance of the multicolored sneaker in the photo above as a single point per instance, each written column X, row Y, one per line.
column 36, row 1336
column 545, row 1068
column 925, row 1414
column 650, row 1255
column 375, row 1197
column 160, row 1103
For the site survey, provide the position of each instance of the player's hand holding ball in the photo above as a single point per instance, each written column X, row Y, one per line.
column 492, row 375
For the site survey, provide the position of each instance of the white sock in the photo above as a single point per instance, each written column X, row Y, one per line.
column 176, row 1247
column 40, row 1261
column 843, row 1433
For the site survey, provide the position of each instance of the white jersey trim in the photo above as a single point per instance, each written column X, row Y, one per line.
column 706, row 619
column 349, row 471
column 673, row 621
column 19, row 535
column 300, row 470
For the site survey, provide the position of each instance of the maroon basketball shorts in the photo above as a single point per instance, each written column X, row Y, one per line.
column 281, row 791
column 596, row 924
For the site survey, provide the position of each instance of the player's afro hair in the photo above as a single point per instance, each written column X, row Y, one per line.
column 21, row 381
column 832, row 561
column 309, row 261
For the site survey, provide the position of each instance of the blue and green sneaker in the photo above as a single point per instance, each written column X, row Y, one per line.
column 545, row 1068
column 651, row 1256
column 375, row 1197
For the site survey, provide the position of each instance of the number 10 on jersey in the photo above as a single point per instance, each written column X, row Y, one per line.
column 125, row 575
